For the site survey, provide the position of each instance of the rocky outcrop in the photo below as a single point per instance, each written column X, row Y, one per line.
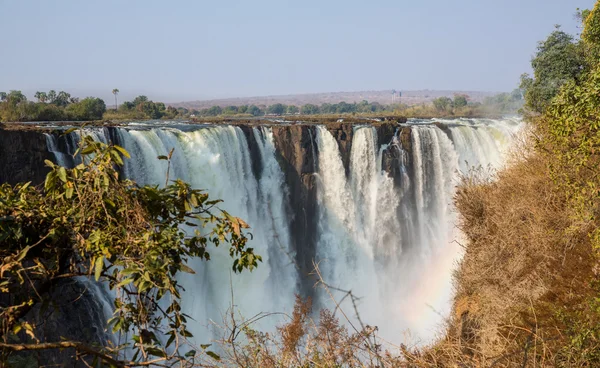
column 297, row 156
column 22, row 155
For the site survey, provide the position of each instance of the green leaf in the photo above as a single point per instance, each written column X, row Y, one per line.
column 125, row 282
column 87, row 150
column 23, row 253
column 24, row 186
column 170, row 341
column 162, row 157
column 123, row 151
column 69, row 192
column 99, row 264
column 213, row 355
column 62, row 174
column 49, row 163
column 187, row 269
column 190, row 353
column 156, row 352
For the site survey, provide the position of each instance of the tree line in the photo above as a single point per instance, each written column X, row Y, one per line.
column 50, row 106
column 61, row 106
column 502, row 103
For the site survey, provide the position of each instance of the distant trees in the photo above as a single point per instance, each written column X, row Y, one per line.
column 277, row 109
column 90, row 108
column 460, row 101
column 230, row 110
column 41, row 96
column 214, row 111
column 51, row 106
column 309, row 109
column 443, row 104
column 143, row 108
column 255, row 110
column 55, row 106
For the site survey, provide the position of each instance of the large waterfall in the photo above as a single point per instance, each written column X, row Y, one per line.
column 385, row 233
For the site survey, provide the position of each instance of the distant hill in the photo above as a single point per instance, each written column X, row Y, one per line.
column 383, row 97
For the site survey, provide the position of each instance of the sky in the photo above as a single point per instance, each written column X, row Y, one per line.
column 201, row 49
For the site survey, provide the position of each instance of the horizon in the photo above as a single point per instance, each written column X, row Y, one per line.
column 194, row 51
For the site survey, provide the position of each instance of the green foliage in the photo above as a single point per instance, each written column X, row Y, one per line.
column 460, row 101
column 292, row 110
column 558, row 59
column 143, row 108
column 87, row 222
column 255, row 110
column 442, row 104
column 277, row 109
column 570, row 134
column 309, row 109
column 89, row 108
column 51, row 106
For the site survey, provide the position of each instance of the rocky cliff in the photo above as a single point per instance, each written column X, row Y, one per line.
column 22, row 155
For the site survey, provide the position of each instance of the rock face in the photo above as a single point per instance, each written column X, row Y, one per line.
column 22, row 155
column 297, row 155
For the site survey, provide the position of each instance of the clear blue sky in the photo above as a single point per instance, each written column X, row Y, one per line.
column 197, row 49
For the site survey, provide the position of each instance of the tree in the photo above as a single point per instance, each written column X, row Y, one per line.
column 139, row 100
column 51, row 96
column 255, row 110
column 277, row 109
column 150, row 109
column 214, row 111
column 292, row 109
column 116, row 92
column 62, row 99
column 460, row 101
column 41, row 96
column 309, row 109
column 88, row 223
column 230, row 110
column 127, row 105
column 3, row 96
column 442, row 104
column 558, row 60
column 89, row 108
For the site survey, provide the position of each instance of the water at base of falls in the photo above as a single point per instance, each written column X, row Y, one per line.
column 391, row 242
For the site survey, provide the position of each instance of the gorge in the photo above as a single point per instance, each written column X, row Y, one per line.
column 370, row 203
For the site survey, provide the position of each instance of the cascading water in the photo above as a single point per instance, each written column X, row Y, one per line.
column 218, row 159
column 388, row 239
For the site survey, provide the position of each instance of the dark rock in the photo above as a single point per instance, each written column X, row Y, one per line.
column 22, row 155
column 296, row 153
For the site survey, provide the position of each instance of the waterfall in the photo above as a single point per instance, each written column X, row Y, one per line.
column 218, row 159
column 390, row 239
